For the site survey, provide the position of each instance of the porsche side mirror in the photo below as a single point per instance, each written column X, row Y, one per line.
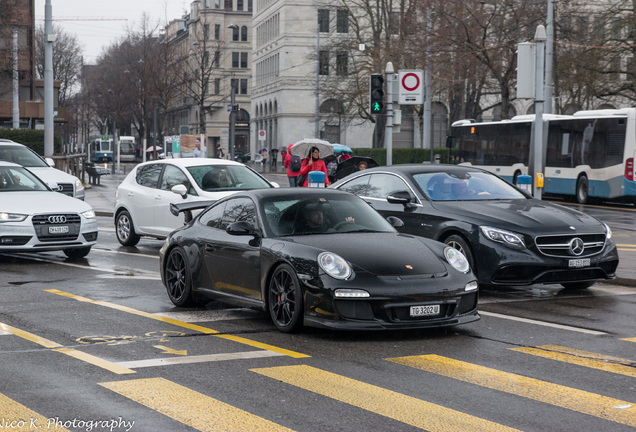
column 396, row 222
column 242, row 228
column 180, row 190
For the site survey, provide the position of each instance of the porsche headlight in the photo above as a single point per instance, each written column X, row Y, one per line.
column 456, row 259
column 334, row 265
column 508, row 238
column 12, row 217
column 89, row 214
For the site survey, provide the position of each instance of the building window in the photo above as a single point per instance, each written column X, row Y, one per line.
column 244, row 60
column 217, row 4
column 342, row 21
column 323, row 63
column 235, row 34
column 217, row 86
column 206, row 59
column 217, row 57
column 244, row 34
column 249, row 5
column 217, row 31
column 235, row 59
column 239, row 5
column 207, row 4
column 323, row 20
column 342, row 63
column 206, row 32
column 239, row 60
column 228, row 5
column 240, row 86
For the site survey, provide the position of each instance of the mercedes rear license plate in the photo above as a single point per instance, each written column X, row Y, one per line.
column 583, row 262
column 63, row 229
column 428, row 310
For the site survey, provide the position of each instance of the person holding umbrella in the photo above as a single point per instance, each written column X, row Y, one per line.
column 313, row 163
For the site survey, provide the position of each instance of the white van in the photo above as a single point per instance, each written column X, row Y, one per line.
column 59, row 180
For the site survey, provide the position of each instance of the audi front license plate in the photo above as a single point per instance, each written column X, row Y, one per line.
column 429, row 310
column 62, row 229
column 575, row 263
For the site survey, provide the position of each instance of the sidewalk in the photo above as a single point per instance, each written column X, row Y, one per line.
column 102, row 198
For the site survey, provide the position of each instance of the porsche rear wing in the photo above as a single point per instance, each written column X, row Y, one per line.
column 187, row 207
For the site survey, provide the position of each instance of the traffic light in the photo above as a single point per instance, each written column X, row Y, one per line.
column 376, row 94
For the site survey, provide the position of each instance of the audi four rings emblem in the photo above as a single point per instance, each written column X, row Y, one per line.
column 57, row 219
column 577, row 246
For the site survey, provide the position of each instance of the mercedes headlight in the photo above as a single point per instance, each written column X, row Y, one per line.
column 12, row 217
column 456, row 259
column 508, row 238
column 334, row 265
column 608, row 231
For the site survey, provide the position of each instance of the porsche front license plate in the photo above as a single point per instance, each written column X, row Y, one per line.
column 584, row 262
column 58, row 229
column 424, row 310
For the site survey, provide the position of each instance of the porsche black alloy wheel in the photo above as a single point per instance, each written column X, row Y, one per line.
column 125, row 229
column 178, row 278
column 285, row 301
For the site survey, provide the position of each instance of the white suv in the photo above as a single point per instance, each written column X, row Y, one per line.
column 59, row 180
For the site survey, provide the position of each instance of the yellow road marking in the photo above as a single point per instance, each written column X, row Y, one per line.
column 183, row 324
column 16, row 416
column 54, row 346
column 168, row 350
column 543, row 391
column 397, row 406
column 582, row 358
column 629, row 339
column 190, row 407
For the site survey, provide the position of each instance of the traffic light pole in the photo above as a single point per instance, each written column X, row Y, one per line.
column 388, row 135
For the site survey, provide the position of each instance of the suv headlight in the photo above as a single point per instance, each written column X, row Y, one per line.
column 334, row 265
column 456, row 259
column 508, row 238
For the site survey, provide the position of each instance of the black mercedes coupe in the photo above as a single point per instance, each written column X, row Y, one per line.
column 509, row 237
column 316, row 257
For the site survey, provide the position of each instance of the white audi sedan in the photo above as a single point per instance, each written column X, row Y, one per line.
column 33, row 218
column 142, row 203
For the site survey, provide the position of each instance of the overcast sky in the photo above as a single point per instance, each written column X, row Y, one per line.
column 99, row 23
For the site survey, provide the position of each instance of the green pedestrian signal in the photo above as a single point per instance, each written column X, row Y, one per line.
column 376, row 94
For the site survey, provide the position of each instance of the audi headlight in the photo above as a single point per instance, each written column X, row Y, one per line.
column 508, row 238
column 12, row 217
column 89, row 214
column 334, row 265
column 456, row 259
column 78, row 184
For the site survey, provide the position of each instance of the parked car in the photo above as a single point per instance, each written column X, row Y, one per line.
column 242, row 157
column 509, row 237
column 142, row 203
column 59, row 180
column 318, row 257
column 33, row 218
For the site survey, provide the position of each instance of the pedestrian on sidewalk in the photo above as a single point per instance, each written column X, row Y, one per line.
column 291, row 175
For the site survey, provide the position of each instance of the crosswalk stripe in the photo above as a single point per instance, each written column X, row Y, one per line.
column 565, row 397
column 400, row 407
column 582, row 358
column 190, row 407
column 15, row 416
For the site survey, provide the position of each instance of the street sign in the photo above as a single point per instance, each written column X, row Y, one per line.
column 411, row 87
column 262, row 135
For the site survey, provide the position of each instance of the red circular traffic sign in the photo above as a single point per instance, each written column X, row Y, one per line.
column 409, row 77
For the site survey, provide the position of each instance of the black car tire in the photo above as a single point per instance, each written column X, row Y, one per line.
column 458, row 242
column 582, row 190
column 78, row 253
column 125, row 229
column 285, row 299
column 577, row 285
column 178, row 277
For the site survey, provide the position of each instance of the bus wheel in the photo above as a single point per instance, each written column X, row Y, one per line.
column 582, row 190
column 515, row 177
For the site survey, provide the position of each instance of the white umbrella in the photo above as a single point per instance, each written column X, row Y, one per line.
column 301, row 148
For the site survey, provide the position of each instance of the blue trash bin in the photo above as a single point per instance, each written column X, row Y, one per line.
column 524, row 182
column 316, row 179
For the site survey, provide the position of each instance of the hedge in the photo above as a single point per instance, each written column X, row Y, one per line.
column 401, row 155
column 32, row 138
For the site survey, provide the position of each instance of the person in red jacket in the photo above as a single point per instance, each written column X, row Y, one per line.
column 313, row 163
column 291, row 175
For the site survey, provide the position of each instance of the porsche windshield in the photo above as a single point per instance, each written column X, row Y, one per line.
column 342, row 214
column 18, row 179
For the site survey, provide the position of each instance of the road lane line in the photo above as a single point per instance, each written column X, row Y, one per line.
column 542, row 323
column 582, row 358
column 554, row 394
column 54, row 346
column 192, row 408
column 388, row 403
column 135, row 364
column 183, row 324
column 15, row 416
column 629, row 339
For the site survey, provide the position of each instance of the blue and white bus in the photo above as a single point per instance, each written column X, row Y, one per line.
column 589, row 154
column 101, row 150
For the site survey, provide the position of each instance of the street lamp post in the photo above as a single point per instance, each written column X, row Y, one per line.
column 232, row 134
